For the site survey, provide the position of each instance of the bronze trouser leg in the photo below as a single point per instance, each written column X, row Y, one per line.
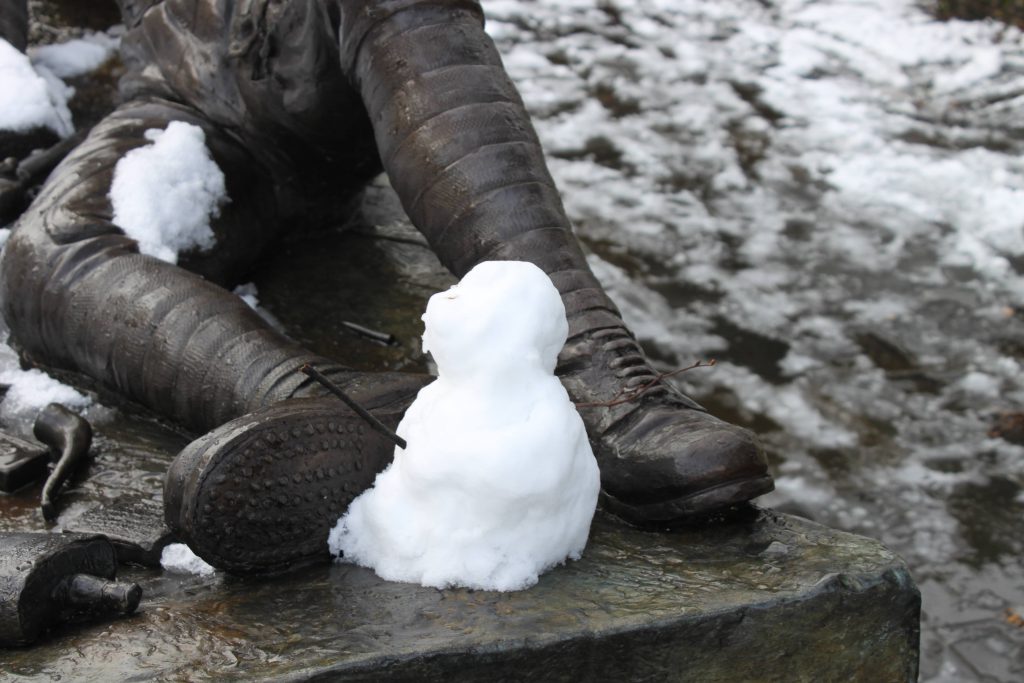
column 460, row 150
column 458, row 144
column 77, row 294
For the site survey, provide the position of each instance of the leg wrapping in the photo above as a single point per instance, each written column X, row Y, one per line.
column 459, row 147
column 77, row 294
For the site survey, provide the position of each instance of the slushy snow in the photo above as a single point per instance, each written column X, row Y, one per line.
column 178, row 558
column 164, row 194
column 32, row 97
column 498, row 482
column 76, row 56
column 29, row 391
column 248, row 293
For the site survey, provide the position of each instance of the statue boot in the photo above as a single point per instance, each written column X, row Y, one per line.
column 261, row 493
column 662, row 456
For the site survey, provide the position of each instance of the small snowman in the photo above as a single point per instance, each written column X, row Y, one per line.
column 498, row 482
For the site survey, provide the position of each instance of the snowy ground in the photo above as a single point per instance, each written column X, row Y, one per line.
column 827, row 197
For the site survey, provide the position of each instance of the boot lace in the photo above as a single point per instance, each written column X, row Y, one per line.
column 630, row 365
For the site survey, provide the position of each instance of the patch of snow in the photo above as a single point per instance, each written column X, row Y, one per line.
column 797, row 489
column 878, row 310
column 75, row 57
column 164, row 194
column 178, row 558
column 247, row 292
column 982, row 64
column 32, row 390
column 795, row 363
column 498, row 482
column 33, row 97
column 789, row 406
column 981, row 384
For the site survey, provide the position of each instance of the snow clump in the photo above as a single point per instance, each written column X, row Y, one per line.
column 498, row 482
column 165, row 194
column 76, row 56
column 33, row 97
column 29, row 391
column 178, row 558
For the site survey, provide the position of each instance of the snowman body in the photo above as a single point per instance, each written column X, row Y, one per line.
column 497, row 482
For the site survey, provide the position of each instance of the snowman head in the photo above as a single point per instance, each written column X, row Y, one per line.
column 504, row 316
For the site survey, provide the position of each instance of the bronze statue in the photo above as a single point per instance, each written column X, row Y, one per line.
column 302, row 103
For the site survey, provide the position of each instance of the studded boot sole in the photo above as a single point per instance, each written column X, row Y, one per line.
column 260, row 494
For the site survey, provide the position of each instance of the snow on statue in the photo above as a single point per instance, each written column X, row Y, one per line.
column 498, row 482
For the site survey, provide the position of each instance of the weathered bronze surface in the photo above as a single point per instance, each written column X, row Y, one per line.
column 21, row 462
column 133, row 525
column 47, row 579
column 69, row 436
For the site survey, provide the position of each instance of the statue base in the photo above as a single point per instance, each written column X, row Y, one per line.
column 766, row 596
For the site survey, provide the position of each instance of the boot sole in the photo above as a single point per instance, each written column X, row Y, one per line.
column 691, row 505
column 260, row 494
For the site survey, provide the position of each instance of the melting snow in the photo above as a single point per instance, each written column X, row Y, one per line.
column 34, row 94
column 178, row 558
column 32, row 97
column 32, row 390
column 76, row 56
column 841, row 177
column 248, row 293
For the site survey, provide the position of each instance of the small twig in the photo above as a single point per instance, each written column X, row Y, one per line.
column 381, row 337
column 626, row 395
column 312, row 372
